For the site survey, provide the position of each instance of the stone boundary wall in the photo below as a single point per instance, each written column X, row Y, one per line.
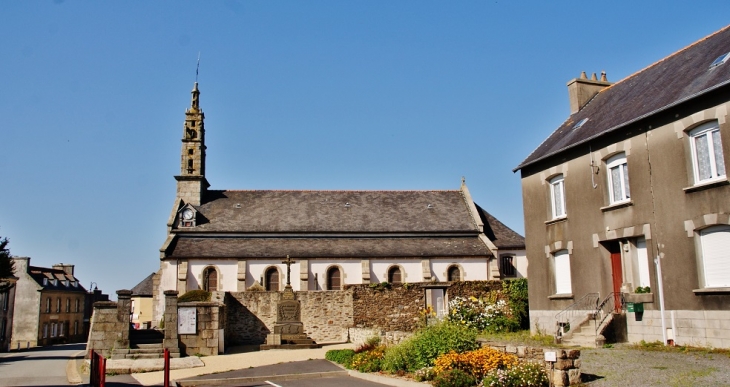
column 391, row 309
column 359, row 336
column 472, row 288
column 326, row 315
column 209, row 323
column 107, row 331
column 564, row 372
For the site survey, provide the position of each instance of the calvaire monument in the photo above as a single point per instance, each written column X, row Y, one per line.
column 289, row 329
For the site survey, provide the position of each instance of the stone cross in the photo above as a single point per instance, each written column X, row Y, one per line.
column 288, row 263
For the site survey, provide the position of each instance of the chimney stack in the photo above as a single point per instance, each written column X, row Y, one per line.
column 68, row 269
column 581, row 90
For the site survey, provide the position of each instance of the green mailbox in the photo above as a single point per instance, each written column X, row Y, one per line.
column 635, row 307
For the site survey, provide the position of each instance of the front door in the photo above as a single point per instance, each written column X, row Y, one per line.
column 618, row 277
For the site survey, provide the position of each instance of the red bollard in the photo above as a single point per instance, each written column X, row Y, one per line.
column 102, row 371
column 167, row 368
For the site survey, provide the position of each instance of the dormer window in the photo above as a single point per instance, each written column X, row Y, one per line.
column 187, row 217
column 45, row 281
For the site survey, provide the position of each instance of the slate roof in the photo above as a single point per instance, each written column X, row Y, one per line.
column 267, row 211
column 55, row 279
column 322, row 247
column 502, row 236
column 680, row 77
column 143, row 288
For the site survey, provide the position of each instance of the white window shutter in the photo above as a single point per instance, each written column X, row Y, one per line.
column 562, row 273
column 716, row 256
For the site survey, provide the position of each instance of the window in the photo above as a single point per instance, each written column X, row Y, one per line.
column 618, row 179
column 708, row 161
column 715, row 254
column 210, row 280
column 48, row 305
column 76, row 327
column 334, row 279
column 60, row 328
column 76, row 309
column 507, row 264
column 394, row 275
column 561, row 266
column 58, row 305
column 68, row 305
column 54, row 329
column 45, row 330
column 557, row 196
column 454, row 274
column 272, row 279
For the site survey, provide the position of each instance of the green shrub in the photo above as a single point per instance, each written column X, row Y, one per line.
column 194, row 295
column 340, row 356
column 424, row 374
column 521, row 375
column 369, row 344
column 454, row 378
column 516, row 292
column 421, row 349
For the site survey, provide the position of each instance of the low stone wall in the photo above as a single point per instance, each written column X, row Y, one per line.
column 326, row 315
column 359, row 336
column 392, row 309
column 209, row 323
column 472, row 288
column 564, row 372
column 107, row 331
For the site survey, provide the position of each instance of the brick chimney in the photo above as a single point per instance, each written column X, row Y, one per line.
column 581, row 90
column 68, row 269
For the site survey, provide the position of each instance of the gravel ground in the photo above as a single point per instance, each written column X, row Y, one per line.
column 624, row 367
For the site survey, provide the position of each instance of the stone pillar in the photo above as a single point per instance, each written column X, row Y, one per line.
column 124, row 308
column 171, row 338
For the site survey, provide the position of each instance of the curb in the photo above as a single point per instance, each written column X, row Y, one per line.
column 72, row 371
column 385, row 380
column 256, row 379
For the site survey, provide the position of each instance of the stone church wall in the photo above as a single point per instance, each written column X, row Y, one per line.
column 392, row 309
column 250, row 316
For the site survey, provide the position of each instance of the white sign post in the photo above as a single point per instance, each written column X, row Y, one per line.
column 187, row 321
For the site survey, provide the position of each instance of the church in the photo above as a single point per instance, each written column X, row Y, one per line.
column 232, row 240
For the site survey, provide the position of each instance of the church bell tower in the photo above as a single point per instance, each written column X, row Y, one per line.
column 191, row 183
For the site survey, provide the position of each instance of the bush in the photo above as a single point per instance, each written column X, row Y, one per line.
column 475, row 363
column 521, row 375
column 490, row 313
column 369, row 361
column 194, row 295
column 428, row 343
column 454, row 378
column 340, row 356
column 370, row 344
column 516, row 292
column 424, row 374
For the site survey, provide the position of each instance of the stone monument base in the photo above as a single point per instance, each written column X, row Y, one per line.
column 280, row 340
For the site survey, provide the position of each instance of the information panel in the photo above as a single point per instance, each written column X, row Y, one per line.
column 186, row 321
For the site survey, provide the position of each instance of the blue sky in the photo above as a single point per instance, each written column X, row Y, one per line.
column 335, row 95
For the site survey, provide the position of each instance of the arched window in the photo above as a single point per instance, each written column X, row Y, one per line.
column 272, row 279
column 395, row 275
column 454, row 274
column 334, row 279
column 210, row 279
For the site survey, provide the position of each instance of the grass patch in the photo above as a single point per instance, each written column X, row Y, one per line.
column 520, row 337
column 657, row 346
column 690, row 378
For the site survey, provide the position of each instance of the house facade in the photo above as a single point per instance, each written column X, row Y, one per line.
column 49, row 306
column 231, row 240
column 7, row 307
column 628, row 200
column 142, row 303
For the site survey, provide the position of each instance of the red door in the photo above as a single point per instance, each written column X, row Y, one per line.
column 618, row 278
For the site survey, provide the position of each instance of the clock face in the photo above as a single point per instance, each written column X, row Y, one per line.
column 187, row 214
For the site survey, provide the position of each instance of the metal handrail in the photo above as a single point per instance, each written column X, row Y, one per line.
column 614, row 302
column 586, row 304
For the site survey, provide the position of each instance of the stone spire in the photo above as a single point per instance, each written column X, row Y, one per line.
column 191, row 183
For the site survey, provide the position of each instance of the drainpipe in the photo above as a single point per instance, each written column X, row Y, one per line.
column 658, row 262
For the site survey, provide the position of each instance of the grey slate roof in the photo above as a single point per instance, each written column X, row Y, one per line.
column 320, row 247
column 40, row 273
column 680, row 77
column 143, row 288
column 502, row 236
column 267, row 211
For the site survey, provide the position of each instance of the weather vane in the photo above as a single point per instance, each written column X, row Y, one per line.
column 197, row 68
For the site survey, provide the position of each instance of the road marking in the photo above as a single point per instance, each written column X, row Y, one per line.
column 273, row 384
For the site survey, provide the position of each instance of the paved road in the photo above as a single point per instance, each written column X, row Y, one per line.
column 45, row 366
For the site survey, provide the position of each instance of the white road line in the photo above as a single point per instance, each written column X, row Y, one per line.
column 273, row 384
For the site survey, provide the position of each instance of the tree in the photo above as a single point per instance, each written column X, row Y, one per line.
column 7, row 266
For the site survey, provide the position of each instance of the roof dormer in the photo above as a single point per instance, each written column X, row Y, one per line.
column 186, row 216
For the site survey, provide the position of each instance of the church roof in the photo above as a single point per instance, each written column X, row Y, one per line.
column 502, row 236
column 678, row 78
column 326, row 247
column 270, row 211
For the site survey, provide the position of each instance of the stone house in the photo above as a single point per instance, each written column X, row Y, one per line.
column 230, row 240
column 631, row 191
column 49, row 305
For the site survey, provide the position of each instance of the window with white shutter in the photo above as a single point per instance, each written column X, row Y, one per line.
column 562, row 272
column 715, row 242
